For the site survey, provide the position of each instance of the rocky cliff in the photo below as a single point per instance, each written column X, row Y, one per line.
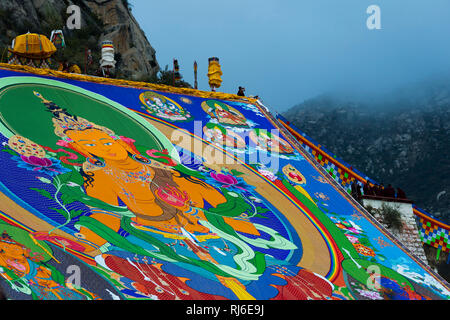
column 101, row 20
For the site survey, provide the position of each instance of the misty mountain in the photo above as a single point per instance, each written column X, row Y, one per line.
column 401, row 138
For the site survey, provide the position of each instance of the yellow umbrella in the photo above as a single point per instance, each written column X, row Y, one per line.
column 33, row 45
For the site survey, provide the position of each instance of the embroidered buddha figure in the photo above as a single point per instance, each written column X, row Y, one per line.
column 116, row 173
column 270, row 142
column 159, row 196
column 224, row 113
column 222, row 136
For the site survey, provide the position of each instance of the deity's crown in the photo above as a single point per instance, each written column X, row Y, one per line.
column 6, row 238
column 63, row 121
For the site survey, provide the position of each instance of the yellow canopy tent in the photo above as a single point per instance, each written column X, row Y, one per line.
column 34, row 46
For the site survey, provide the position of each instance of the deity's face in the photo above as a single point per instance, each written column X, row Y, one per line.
column 99, row 143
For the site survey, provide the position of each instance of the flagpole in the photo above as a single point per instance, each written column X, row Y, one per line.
column 195, row 75
column 173, row 73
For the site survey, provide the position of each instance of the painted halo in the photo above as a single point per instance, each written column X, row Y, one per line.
column 163, row 107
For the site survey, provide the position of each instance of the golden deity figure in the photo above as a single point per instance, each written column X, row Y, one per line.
column 161, row 198
column 114, row 170
column 116, row 197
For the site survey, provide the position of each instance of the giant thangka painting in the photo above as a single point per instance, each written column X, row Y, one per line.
column 165, row 196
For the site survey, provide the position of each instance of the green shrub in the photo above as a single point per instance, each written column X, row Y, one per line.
column 392, row 217
column 370, row 209
column 390, row 214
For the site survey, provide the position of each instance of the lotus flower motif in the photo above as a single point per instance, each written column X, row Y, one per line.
column 38, row 163
column 226, row 179
column 50, row 166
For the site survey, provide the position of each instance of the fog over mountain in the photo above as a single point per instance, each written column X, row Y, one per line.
column 401, row 137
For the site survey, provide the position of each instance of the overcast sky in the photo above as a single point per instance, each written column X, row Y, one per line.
column 287, row 51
